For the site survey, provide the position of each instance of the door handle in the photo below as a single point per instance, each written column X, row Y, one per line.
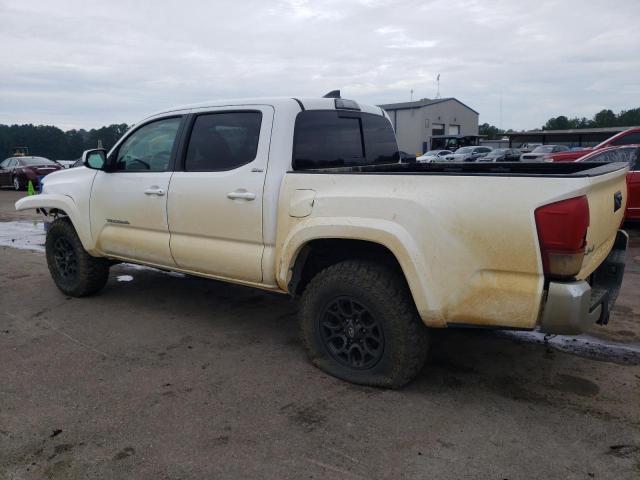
column 241, row 194
column 154, row 191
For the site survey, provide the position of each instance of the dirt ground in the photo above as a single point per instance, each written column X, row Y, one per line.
column 166, row 376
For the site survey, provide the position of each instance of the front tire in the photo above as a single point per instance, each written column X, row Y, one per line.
column 74, row 271
column 359, row 323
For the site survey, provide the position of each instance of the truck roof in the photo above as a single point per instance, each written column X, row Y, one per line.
column 297, row 103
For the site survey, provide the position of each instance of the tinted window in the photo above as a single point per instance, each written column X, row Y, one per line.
column 629, row 155
column 223, row 141
column 380, row 144
column 36, row 161
column 149, row 148
column 322, row 139
column 633, row 137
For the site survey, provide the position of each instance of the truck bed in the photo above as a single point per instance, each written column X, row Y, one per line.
column 508, row 169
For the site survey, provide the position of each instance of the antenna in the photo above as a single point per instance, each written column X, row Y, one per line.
column 438, row 92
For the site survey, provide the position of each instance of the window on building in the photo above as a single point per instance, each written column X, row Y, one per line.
column 454, row 129
column 437, row 129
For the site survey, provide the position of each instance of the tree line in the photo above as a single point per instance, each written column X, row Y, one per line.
column 51, row 142
column 604, row 118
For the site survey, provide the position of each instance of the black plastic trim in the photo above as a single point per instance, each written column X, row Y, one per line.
column 501, row 169
column 300, row 103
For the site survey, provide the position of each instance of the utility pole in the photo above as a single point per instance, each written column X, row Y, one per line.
column 438, row 81
column 412, row 94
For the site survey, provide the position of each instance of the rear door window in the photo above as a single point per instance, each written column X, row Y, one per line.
column 223, row 141
column 325, row 139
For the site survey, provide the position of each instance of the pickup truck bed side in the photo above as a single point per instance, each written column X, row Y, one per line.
column 466, row 261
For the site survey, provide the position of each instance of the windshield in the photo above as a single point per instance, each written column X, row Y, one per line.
column 36, row 161
column 543, row 149
column 464, row 150
column 496, row 153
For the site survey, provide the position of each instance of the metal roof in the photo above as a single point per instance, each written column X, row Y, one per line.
column 425, row 102
column 571, row 131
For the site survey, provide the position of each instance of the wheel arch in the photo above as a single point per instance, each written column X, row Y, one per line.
column 309, row 250
column 61, row 205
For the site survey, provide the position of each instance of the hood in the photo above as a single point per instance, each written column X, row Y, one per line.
column 58, row 181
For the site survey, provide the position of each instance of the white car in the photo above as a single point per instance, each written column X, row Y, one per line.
column 434, row 156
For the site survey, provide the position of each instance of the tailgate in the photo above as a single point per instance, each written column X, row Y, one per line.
column 607, row 197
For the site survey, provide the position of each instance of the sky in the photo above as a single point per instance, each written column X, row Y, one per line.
column 85, row 63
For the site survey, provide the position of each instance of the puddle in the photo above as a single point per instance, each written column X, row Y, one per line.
column 584, row 346
column 23, row 235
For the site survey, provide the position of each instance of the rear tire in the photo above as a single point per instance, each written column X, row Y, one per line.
column 74, row 271
column 359, row 323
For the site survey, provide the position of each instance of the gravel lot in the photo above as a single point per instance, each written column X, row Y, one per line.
column 167, row 376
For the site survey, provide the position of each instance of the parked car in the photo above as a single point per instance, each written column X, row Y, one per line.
column 433, row 156
column 543, row 153
column 406, row 157
column 306, row 197
column 630, row 136
column 631, row 155
column 529, row 147
column 17, row 171
column 66, row 163
column 468, row 154
column 501, row 155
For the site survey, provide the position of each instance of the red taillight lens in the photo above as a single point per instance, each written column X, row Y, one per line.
column 562, row 232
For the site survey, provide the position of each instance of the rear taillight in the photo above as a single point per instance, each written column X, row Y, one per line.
column 562, row 232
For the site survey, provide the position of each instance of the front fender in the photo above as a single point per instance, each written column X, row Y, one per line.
column 59, row 202
column 383, row 232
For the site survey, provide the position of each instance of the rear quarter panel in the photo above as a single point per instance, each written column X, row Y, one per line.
column 467, row 245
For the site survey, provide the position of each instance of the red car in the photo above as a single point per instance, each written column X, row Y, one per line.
column 627, row 137
column 631, row 155
column 17, row 171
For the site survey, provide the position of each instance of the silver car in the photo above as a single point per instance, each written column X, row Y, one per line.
column 468, row 154
column 543, row 153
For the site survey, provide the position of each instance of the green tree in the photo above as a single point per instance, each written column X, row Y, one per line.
column 492, row 132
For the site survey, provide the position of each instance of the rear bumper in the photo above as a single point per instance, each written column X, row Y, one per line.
column 571, row 308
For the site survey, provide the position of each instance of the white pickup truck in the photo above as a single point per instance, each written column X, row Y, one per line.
column 307, row 197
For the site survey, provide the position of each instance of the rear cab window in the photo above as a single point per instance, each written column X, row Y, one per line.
column 332, row 138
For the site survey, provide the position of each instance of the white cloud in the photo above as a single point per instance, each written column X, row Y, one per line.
column 87, row 63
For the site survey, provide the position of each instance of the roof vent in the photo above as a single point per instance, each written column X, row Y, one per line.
column 332, row 94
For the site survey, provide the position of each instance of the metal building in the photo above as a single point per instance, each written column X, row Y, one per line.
column 416, row 122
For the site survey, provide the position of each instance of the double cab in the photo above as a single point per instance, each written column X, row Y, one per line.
column 307, row 197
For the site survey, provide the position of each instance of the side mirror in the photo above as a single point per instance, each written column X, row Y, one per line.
column 95, row 159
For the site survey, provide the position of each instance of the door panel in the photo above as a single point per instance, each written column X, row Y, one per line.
column 215, row 217
column 128, row 206
column 126, row 221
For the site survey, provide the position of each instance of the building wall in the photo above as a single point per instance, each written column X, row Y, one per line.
column 414, row 126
